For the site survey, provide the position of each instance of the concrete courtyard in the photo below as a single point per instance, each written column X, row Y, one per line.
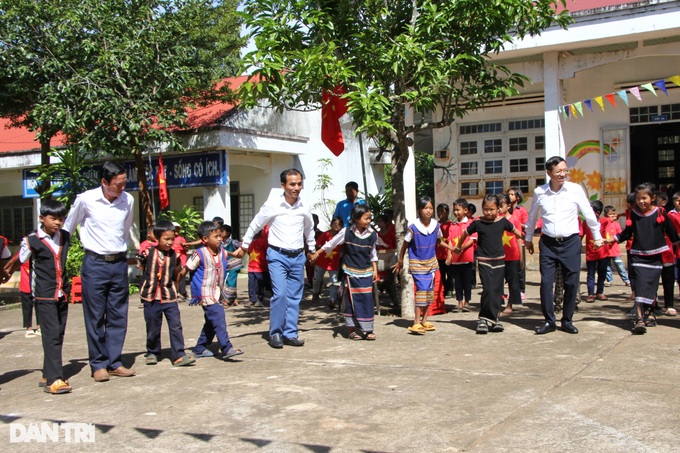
column 603, row 390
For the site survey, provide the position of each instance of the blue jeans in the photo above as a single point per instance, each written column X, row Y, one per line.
column 287, row 276
column 620, row 268
column 599, row 267
column 105, row 308
column 215, row 325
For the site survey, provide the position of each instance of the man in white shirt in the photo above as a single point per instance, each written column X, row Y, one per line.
column 290, row 225
column 106, row 217
column 558, row 202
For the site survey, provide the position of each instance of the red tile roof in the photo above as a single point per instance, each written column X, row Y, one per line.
column 583, row 5
column 20, row 139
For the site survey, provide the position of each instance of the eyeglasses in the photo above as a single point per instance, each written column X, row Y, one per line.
column 560, row 172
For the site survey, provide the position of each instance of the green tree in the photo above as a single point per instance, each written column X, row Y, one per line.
column 116, row 76
column 393, row 58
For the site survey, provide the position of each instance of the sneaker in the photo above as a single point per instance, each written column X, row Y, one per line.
column 482, row 327
column 29, row 333
column 38, row 332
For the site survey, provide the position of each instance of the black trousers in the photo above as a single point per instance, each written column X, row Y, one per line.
column 668, row 283
column 491, row 275
column 446, row 273
column 27, row 305
column 153, row 315
column 566, row 254
column 53, row 315
column 512, row 273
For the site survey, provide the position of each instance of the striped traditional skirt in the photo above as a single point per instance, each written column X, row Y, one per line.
column 359, row 303
column 646, row 273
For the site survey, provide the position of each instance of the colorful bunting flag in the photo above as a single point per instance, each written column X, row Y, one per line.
column 567, row 111
column 610, row 98
column 661, row 84
column 600, row 102
column 675, row 79
column 648, row 86
column 622, row 94
column 636, row 92
column 573, row 110
column 579, row 107
column 589, row 104
column 564, row 112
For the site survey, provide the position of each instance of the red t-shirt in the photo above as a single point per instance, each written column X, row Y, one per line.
column 177, row 246
column 389, row 237
column 522, row 215
column 330, row 262
column 455, row 232
column 442, row 251
column 675, row 217
column 593, row 254
column 257, row 258
column 146, row 245
column 612, row 230
column 510, row 244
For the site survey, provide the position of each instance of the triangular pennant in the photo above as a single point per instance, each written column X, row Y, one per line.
column 599, row 102
column 564, row 112
column 567, row 111
column 661, row 84
column 573, row 110
column 579, row 107
column 648, row 86
column 589, row 104
column 675, row 79
column 610, row 98
column 622, row 94
column 636, row 92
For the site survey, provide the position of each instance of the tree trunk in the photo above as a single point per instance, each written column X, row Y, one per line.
column 42, row 186
column 144, row 197
column 399, row 158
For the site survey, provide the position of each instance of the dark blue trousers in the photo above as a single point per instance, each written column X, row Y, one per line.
column 105, row 308
column 53, row 315
column 599, row 268
column 215, row 326
column 153, row 315
column 256, row 283
column 567, row 255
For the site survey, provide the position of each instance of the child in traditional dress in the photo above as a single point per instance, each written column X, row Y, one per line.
column 515, row 198
column 491, row 258
column 647, row 226
column 360, row 264
column 234, row 265
column 421, row 241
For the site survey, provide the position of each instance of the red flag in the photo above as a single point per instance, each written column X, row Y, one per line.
column 332, row 108
column 162, row 184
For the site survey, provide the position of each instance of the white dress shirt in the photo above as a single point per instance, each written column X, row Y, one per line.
column 408, row 237
column 339, row 239
column 289, row 226
column 106, row 224
column 559, row 211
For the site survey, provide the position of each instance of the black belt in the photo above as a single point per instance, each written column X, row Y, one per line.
column 558, row 240
column 111, row 258
column 289, row 253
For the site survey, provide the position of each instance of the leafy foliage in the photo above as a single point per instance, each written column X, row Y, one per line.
column 325, row 207
column 70, row 174
column 187, row 217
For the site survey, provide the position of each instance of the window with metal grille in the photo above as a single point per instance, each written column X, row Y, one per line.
column 480, row 128
column 467, row 148
column 643, row 114
column 18, row 220
column 469, row 188
column 526, row 124
column 539, row 142
column 540, row 164
column 468, row 168
column 493, row 146
column 493, row 167
column 246, row 210
column 523, row 185
column 518, row 144
column 519, row 165
column 493, row 187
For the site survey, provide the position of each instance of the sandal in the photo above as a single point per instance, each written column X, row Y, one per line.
column 639, row 328
column 417, row 329
column 429, row 327
column 601, row 297
column 354, row 336
column 370, row 336
column 671, row 312
column 183, row 361
column 465, row 308
column 233, row 352
column 151, row 359
column 590, row 299
column 58, row 387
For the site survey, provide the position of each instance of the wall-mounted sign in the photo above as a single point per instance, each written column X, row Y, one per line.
column 181, row 170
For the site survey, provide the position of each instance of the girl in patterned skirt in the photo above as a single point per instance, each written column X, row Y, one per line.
column 421, row 240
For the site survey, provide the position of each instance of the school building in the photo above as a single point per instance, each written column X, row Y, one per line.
column 604, row 94
column 233, row 160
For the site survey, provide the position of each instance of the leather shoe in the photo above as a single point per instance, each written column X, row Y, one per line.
column 101, row 375
column 545, row 328
column 121, row 371
column 293, row 342
column 568, row 327
column 275, row 341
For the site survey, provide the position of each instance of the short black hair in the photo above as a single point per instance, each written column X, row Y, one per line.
column 608, row 209
column 218, row 220
column 597, row 206
column 462, row 202
column 290, row 171
column 518, row 194
column 472, row 209
column 443, row 206
column 337, row 218
column 357, row 211
column 54, row 208
column 630, row 198
column 226, row 228
column 110, row 170
column 353, row 185
column 552, row 162
column 503, row 198
column 492, row 198
column 161, row 227
column 205, row 228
